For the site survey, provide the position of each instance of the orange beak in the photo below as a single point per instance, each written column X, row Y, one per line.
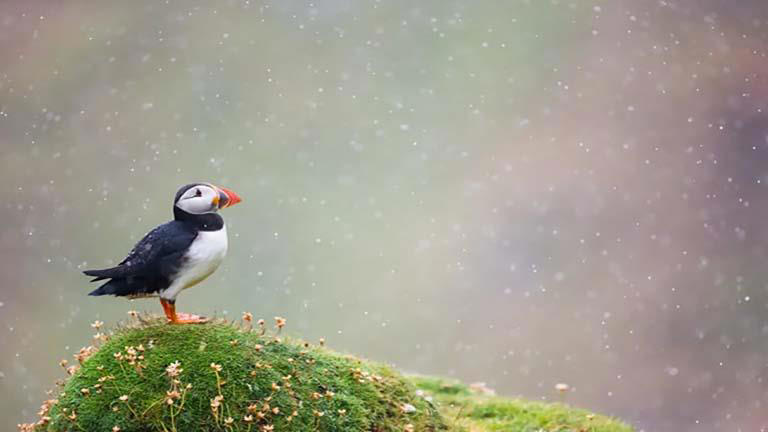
column 227, row 198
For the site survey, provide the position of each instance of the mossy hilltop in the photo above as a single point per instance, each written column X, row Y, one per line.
column 150, row 376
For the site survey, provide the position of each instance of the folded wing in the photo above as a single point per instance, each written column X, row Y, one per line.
column 150, row 266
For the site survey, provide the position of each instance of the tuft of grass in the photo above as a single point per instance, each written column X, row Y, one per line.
column 149, row 376
column 222, row 377
column 468, row 411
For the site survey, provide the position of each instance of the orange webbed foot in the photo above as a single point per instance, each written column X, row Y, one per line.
column 169, row 307
column 184, row 318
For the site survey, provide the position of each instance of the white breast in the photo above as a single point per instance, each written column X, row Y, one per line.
column 204, row 256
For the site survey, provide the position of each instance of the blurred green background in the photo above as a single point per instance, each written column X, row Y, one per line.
column 520, row 192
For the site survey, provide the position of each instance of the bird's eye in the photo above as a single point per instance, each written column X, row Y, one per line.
column 198, row 193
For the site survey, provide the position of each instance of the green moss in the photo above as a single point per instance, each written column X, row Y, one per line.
column 263, row 381
column 471, row 412
column 311, row 387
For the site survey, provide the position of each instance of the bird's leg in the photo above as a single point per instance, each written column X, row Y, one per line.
column 169, row 306
column 170, row 313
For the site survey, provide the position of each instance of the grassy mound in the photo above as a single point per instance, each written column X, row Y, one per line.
column 150, row 376
column 218, row 377
column 469, row 410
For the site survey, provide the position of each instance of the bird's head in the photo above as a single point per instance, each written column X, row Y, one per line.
column 201, row 198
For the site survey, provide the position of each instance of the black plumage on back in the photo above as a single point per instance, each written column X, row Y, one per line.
column 152, row 263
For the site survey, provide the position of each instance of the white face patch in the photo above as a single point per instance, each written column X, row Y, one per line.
column 199, row 199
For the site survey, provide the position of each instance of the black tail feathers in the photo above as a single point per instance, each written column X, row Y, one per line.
column 116, row 287
column 121, row 284
column 98, row 274
column 122, row 287
column 109, row 288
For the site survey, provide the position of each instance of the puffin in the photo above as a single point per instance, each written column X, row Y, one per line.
column 177, row 254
